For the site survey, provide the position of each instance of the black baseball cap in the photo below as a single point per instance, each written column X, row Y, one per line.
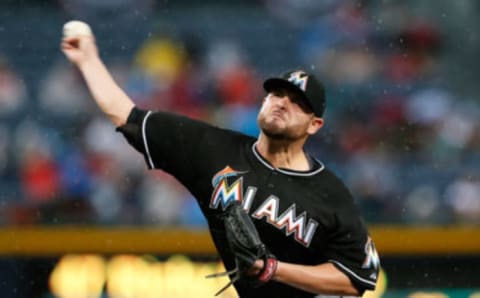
column 305, row 84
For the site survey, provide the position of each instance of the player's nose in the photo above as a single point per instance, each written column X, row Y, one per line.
column 282, row 101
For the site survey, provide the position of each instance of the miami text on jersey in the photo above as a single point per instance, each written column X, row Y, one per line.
column 224, row 193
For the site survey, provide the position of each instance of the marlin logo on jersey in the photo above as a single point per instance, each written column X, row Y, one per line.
column 224, row 193
column 299, row 79
column 371, row 256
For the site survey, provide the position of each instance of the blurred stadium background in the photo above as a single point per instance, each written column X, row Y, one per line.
column 80, row 216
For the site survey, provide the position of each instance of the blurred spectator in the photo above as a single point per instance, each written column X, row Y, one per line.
column 190, row 91
column 426, row 110
column 38, row 171
column 375, row 181
column 456, row 132
column 162, row 199
column 75, row 178
column 63, row 95
column 166, row 76
column 462, row 196
column 422, row 205
column 109, row 167
column 98, row 140
column 106, row 201
column 236, row 87
column 161, row 57
column 337, row 41
column 12, row 90
column 349, row 65
column 418, row 46
column 235, row 80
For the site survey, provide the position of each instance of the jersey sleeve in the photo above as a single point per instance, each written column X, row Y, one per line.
column 351, row 249
column 167, row 141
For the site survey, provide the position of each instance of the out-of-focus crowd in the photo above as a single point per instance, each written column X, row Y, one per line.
column 403, row 138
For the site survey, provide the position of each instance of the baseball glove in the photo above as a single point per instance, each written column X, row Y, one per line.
column 246, row 246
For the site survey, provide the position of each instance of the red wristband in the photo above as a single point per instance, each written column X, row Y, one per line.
column 269, row 270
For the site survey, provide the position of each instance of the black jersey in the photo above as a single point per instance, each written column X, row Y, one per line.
column 302, row 217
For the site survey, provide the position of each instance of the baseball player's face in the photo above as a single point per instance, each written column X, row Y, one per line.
column 284, row 116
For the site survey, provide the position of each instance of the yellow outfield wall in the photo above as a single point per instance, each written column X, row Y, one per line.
column 43, row 241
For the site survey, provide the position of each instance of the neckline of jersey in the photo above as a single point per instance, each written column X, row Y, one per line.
column 287, row 171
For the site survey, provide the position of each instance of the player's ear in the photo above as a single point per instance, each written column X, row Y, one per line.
column 315, row 124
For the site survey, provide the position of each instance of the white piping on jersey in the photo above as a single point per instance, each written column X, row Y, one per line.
column 145, row 144
column 353, row 274
column 284, row 171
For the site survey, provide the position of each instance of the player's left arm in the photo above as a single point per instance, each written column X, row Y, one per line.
column 350, row 249
column 319, row 279
column 324, row 279
column 349, row 271
column 352, row 262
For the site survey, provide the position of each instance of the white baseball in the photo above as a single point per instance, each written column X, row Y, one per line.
column 76, row 28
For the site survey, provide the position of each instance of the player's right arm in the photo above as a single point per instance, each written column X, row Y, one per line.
column 112, row 100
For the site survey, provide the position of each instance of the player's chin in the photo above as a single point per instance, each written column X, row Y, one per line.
column 273, row 122
column 274, row 132
column 272, row 126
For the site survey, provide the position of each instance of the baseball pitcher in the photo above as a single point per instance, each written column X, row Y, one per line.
column 283, row 224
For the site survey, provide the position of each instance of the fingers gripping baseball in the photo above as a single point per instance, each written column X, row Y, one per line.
column 248, row 249
column 78, row 43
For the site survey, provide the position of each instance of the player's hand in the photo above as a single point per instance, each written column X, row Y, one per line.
column 256, row 268
column 79, row 50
